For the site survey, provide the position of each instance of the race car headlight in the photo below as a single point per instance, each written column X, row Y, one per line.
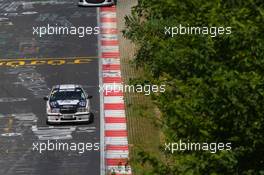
column 82, row 110
column 55, row 110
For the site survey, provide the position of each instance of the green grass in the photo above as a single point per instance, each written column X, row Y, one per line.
column 140, row 113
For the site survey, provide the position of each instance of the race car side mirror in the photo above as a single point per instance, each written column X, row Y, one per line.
column 45, row 98
column 89, row 97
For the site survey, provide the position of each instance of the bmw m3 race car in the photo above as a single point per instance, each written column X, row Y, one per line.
column 97, row 2
column 67, row 103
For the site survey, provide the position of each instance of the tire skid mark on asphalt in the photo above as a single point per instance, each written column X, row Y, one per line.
column 61, row 20
column 60, row 132
column 26, row 117
column 79, row 14
column 53, row 133
column 12, row 99
column 5, row 21
column 49, row 2
column 14, row 6
column 18, row 162
column 28, row 46
column 12, row 9
column 88, row 129
column 30, row 79
column 16, row 124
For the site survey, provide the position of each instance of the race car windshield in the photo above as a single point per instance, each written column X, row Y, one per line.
column 77, row 94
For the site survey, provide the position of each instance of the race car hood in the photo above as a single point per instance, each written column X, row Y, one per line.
column 67, row 102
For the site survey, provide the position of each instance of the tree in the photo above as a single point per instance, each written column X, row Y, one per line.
column 215, row 85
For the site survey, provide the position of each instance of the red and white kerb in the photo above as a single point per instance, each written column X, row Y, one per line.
column 116, row 142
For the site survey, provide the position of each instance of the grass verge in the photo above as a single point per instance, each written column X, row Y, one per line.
column 140, row 111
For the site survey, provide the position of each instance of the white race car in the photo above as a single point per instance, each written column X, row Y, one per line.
column 68, row 103
column 97, row 2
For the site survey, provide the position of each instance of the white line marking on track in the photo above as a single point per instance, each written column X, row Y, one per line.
column 109, row 25
column 112, row 73
column 108, row 14
column 107, row 61
column 116, row 141
column 110, row 48
column 114, row 99
column 117, row 154
column 115, row 126
column 109, row 37
column 115, row 113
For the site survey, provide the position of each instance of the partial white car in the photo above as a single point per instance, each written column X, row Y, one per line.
column 68, row 103
column 97, row 2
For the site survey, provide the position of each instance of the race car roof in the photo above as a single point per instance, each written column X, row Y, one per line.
column 66, row 86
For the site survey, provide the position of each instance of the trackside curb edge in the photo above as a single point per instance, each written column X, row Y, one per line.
column 116, row 152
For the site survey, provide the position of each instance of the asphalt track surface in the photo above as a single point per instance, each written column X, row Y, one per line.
column 29, row 67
